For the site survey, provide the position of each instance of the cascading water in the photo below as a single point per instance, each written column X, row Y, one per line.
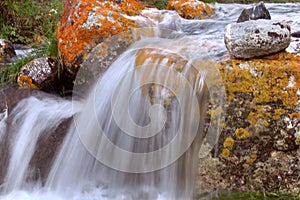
column 137, row 133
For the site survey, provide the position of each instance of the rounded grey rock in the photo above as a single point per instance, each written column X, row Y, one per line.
column 256, row 38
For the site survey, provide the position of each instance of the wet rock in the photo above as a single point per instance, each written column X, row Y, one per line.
column 97, row 61
column 41, row 73
column 191, row 9
column 49, row 142
column 6, row 49
column 84, row 24
column 256, row 38
column 258, row 11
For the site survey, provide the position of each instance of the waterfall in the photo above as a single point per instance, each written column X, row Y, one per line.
column 29, row 119
column 140, row 129
column 136, row 135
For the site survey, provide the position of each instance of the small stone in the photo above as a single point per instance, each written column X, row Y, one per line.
column 41, row 73
column 258, row 11
column 256, row 38
column 6, row 49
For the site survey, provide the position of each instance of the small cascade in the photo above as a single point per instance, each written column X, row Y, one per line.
column 140, row 129
column 30, row 119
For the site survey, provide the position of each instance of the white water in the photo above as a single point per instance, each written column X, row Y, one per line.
column 87, row 167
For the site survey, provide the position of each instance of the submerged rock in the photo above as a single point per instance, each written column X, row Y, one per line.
column 7, row 49
column 84, row 24
column 191, row 9
column 258, row 11
column 257, row 38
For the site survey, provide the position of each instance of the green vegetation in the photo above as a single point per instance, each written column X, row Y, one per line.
column 21, row 20
column 29, row 22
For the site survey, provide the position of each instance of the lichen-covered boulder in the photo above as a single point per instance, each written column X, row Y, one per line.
column 41, row 73
column 191, row 9
column 257, row 38
column 259, row 146
column 258, row 11
column 7, row 49
column 84, row 24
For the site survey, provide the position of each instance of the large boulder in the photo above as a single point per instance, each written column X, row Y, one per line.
column 191, row 9
column 258, row 11
column 259, row 146
column 257, row 38
column 84, row 24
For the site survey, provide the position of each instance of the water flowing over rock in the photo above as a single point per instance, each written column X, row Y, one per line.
column 191, row 9
column 23, row 110
column 6, row 49
column 257, row 38
column 258, row 11
column 84, row 24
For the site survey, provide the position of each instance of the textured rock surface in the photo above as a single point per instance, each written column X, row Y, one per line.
column 259, row 146
column 41, row 73
column 258, row 11
column 84, row 24
column 256, row 38
column 191, row 9
column 6, row 49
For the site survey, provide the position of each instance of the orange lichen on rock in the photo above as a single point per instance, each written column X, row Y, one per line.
column 86, row 23
column 25, row 82
column 191, row 9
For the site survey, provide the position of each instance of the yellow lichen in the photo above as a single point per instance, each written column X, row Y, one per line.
column 278, row 113
column 297, row 141
column 241, row 133
column 252, row 158
column 215, row 113
column 295, row 115
column 266, row 79
column 259, row 113
column 225, row 153
column 229, row 141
